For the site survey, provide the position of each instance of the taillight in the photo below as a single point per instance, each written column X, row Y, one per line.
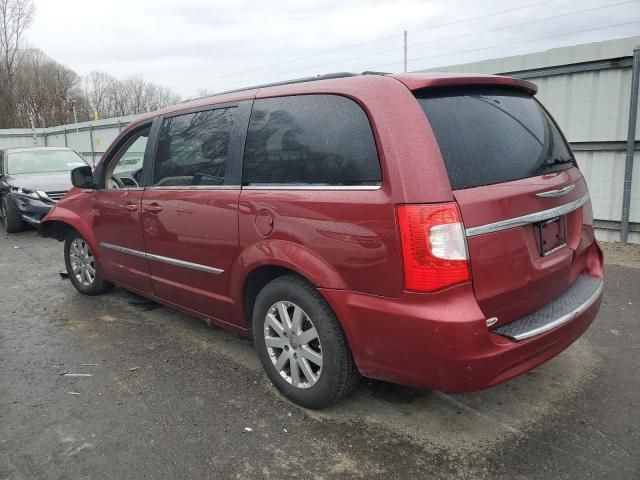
column 434, row 249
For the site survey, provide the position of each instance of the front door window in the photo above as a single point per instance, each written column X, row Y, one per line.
column 125, row 168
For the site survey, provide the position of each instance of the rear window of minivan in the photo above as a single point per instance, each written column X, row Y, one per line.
column 491, row 135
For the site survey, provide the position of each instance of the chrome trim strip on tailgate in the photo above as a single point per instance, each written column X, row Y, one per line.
column 527, row 219
column 556, row 193
column 159, row 258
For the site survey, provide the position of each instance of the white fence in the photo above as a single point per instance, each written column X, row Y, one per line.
column 90, row 139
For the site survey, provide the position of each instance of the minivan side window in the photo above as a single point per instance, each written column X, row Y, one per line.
column 193, row 149
column 124, row 168
column 310, row 140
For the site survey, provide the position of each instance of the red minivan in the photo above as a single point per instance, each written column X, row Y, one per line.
column 431, row 230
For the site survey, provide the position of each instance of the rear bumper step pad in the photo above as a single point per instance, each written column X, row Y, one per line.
column 575, row 300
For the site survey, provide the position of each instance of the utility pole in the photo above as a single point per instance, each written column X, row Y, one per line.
column 405, row 51
column 631, row 140
column 33, row 128
column 75, row 116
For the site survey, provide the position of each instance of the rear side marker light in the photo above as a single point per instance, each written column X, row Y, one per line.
column 434, row 249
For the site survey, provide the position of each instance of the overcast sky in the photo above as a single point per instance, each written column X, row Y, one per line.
column 194, row 44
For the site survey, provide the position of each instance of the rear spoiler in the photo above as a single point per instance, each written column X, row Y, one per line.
column 416, row 81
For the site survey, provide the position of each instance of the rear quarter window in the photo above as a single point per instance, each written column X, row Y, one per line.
column 310, row 140
column 493, row 135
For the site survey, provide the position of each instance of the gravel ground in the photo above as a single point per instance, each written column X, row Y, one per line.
column 621, row 254
column 169, row 397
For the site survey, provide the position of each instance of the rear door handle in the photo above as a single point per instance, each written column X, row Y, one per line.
column 132, row 207
column 152, row 208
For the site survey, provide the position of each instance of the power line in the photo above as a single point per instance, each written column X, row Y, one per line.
column 487, row 15
column 309, row 67
column 511, row 43
column 553, row 17
column 432, row 27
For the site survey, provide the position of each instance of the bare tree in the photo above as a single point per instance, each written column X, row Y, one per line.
column 47, row 91
column 15, row 18
column 37, row 90
column 96, row 86
column 203, row 92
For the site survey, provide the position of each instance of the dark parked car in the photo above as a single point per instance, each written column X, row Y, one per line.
column 430, row 230
column 32, row 180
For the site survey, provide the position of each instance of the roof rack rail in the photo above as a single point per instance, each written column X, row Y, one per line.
column 327, row 76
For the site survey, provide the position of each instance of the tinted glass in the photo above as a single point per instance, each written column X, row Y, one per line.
column 310, row 139
column 43, row 161
column 193, row 148
column 489, row 135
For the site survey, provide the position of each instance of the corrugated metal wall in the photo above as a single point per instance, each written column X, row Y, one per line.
column 592, row 108
column 90, row 139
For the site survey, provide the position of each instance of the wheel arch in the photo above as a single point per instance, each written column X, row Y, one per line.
column 264, row 261
column 59, row 222
column 256, row 280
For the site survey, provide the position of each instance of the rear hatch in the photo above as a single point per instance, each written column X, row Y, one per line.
column 524, row 204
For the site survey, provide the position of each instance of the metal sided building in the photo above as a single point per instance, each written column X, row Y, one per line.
column 588, row 89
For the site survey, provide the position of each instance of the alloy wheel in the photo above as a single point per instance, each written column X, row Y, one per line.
column 82, row 262
column 293, row 344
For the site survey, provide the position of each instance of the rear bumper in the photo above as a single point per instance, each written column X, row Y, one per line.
column 408, row 342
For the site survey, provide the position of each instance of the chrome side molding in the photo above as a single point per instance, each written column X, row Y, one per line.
column 184, row 264
column 527, row 219
column 313, row 187
column 118, row 248
column 159, row 258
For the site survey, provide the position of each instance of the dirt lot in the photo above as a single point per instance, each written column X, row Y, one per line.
column 169, row 397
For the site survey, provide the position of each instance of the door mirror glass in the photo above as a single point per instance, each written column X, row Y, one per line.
column 82, row 177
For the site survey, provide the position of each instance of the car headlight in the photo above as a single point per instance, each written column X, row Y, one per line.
column 29, row 193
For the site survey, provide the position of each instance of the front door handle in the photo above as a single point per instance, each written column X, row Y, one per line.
column 132, row 207
column 152, row 208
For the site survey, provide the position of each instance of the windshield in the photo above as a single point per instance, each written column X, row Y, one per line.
column 43, row 161
column 492, row 135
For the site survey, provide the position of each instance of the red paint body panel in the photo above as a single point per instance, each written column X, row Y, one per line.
column 197, row 226
column 444, row 339
column 510, row 277
column 117, row 221
column 343, row 239
column 346, row 243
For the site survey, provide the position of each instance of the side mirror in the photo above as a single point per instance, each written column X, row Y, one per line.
column 82, row 177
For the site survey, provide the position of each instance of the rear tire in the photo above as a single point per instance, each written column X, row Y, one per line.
column 13, row 223
column 83, row 270
column 301, row 344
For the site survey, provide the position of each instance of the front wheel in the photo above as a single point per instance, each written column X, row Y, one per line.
column 11, row 218
column 301, row 344
column 82, row 267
